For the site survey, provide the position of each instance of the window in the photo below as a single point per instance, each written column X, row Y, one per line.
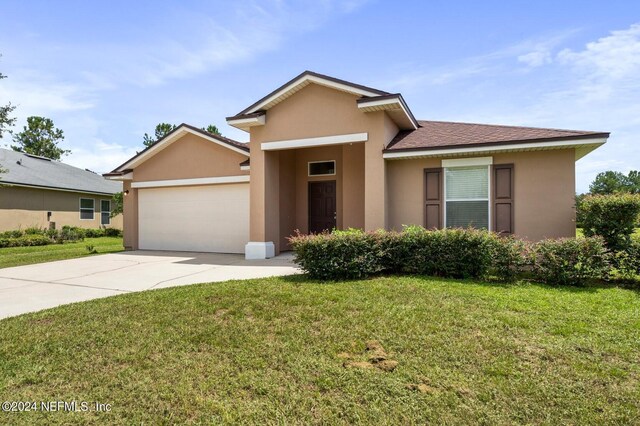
column 105, row 212
column 87, row 207
column 467, row 197
column 322, row 168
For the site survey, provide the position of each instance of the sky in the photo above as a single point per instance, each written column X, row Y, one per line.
column 108, row 72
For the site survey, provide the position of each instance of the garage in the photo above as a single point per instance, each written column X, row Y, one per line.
column 207, row 218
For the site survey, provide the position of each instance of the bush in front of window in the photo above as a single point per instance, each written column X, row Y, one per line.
column 112, row 232
column 613, row 217
column 570, row 261
column 451, row 253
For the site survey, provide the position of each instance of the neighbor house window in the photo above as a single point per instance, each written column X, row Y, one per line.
column 322, row 168
column 87, row 207
column 105, row 212
column 467, row 197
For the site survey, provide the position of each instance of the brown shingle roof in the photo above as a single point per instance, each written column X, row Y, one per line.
column 443, row 134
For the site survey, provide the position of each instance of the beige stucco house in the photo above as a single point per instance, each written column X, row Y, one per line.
column 327, row 153
column 39, row 192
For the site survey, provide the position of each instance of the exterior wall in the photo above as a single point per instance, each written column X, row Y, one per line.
column 189, row 157
column 317, row 111
column 544, row 185
column 27, row 207
column 130, row 211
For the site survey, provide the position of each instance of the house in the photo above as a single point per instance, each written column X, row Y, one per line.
column 40, row 192
column 327, row 153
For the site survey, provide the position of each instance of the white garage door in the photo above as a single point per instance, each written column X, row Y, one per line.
column 212, row 218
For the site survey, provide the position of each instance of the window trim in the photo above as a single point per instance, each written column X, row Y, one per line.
column 324, row 174
column 445, row 199
column 93, row 209
column 103, row 211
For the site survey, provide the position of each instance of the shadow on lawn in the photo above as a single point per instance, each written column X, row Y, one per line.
column 590, row 287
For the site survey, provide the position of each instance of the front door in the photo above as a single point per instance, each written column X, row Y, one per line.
column 322, row 206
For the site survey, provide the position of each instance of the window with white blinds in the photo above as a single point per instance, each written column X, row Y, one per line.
column 467, row 197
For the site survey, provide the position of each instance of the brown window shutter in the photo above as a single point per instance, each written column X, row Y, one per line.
column 503, row 198
column 433, row 198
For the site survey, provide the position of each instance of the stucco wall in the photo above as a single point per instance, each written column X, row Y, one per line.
column 27, row 207
column 190, row 157
column 312, row 112
column 544, row 186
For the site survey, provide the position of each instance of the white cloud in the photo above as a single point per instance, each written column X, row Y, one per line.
column 614, row 57
column 37, row 94
column 98, row 155
column 537, row 58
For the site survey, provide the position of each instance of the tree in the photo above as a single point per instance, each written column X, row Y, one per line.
column 5, row 110
column 611, row 182
column 211, row 128
column 162, row 130
column 40, row 137
column 116, row 204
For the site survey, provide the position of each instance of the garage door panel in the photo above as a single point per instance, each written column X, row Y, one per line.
column 212, row 218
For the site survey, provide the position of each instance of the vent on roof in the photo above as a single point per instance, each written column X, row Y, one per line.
column 38, row 157
column 90, row 171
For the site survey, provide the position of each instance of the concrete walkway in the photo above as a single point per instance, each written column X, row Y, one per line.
column 34, row 287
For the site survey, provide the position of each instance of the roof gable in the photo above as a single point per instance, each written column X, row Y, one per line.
column 302, row 80
column 172, row 137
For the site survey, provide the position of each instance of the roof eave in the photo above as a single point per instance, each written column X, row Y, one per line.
column 582, row 145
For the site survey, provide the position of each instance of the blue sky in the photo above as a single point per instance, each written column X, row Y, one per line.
column 107, row 72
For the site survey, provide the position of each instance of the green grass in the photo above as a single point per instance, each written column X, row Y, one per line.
column 580, row 233
column 16, row 256
column 272, row 351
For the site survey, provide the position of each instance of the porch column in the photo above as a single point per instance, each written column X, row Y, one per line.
column 375, row 188
column 263, row 205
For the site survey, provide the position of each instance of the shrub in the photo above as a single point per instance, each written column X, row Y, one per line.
column 570, row 261
column 33, row 231
column 627, row 262
column 508, row 257
column 112, row 232
column 93, row 233
column 349, row 254
column 613, row 217
column 11, row 234
column 25, row 240
column 454, row 253
column 71, row 233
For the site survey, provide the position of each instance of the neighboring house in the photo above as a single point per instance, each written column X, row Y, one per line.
column 39, row 192
column 328, row 153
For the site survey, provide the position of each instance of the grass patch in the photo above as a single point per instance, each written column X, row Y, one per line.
column 580, row 233
column 16, row 256
column 287, row 350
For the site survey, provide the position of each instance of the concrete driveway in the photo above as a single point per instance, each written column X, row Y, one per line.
column 45, row 285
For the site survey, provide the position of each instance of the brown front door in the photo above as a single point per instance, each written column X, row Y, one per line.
column 322, row 206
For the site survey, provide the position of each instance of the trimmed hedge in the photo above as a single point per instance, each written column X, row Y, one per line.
column 38, row 237
column 451, row 253
column 24, row 241
column 570, row 261
column 454, row 253
column 613, row 217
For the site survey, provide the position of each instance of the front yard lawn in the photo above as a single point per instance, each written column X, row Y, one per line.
column 16, row 256
column 288, row 350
